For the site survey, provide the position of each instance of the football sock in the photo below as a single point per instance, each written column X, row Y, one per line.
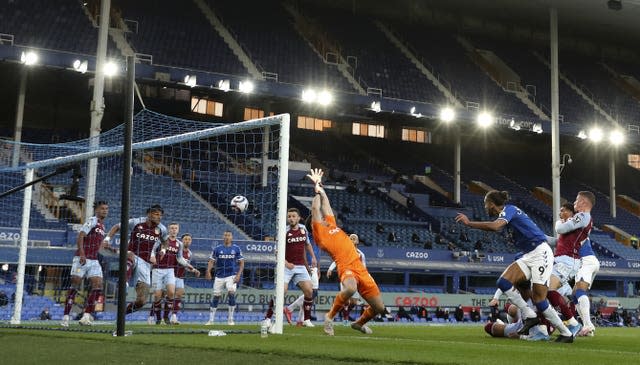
column 307, row 303
column 71, row 297
column 366, row 316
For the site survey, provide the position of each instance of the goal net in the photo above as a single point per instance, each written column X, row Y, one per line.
column 192, row 169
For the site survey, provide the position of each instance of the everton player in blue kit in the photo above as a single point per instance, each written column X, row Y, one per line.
column 535, row 265
column 229, row 264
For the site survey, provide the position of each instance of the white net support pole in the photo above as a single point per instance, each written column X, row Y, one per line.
column 283, row 173
column 22, row 259
column 265, row 156
column 97, row 105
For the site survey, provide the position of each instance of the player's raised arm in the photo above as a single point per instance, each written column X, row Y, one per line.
column 496, row 225
column 112, row 232
column 315, row 176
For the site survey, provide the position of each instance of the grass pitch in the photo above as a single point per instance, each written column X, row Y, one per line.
column 401, row 344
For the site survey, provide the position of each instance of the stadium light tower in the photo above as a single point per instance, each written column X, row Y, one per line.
column 616, row 138
column 447, row 115
column 28, row 58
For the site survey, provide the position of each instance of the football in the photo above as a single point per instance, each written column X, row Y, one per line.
column 239, row 203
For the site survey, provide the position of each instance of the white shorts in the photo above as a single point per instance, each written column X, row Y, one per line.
column 537, row 264
column 565, row 268
column 221, row 283
column 162, row 278
column 565, row 290
column 179, row 283
column 588, row 270
column 315, row 279
column 143, row 271
column 511, row 329
column 90, row 269
column 298, row 273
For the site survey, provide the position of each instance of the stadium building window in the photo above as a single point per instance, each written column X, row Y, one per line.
column 634, row 161
column 204, row 106
column 416, row 135
column 314, row 124
column 250, row 113
column 368, row 130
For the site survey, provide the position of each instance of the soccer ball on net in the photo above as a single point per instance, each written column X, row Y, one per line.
column 239, row 203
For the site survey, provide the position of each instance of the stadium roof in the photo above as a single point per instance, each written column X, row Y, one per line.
column 587, row 19
column 592, row 17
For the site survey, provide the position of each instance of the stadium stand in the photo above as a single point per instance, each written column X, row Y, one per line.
column 468, row 81
column 186, row 41
column 268, row 34
column 379, row 64
column 57, row 24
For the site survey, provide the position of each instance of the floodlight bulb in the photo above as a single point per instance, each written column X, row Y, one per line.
column 110, row 69
column 325, row 98
column 595, row 134
column 484, row 119
column 616, row 138
column 447, row 114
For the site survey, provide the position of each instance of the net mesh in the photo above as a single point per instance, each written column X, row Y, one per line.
column 192, row 169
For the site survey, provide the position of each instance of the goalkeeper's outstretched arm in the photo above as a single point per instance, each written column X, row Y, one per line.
column 320, row 201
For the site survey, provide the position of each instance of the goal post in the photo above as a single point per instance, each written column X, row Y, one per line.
column 176, row 162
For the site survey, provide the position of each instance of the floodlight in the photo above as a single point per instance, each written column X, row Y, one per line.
column 246, row 87
column 190, row 80
column 110, row 69
column 375, row 106
column 29, row 58
column 413, row 110
column 595, row 134
column 309, row 95
column 5, row 267
column 80, row 66
column 513, row 125
column 325, row 98
column 616, row 138
column 224, row 85
column 484, row 119
column 582, row 134
column 447, row 115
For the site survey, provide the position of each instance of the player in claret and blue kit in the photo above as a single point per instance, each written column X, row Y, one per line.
column 85, row 263
column 145, row 232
